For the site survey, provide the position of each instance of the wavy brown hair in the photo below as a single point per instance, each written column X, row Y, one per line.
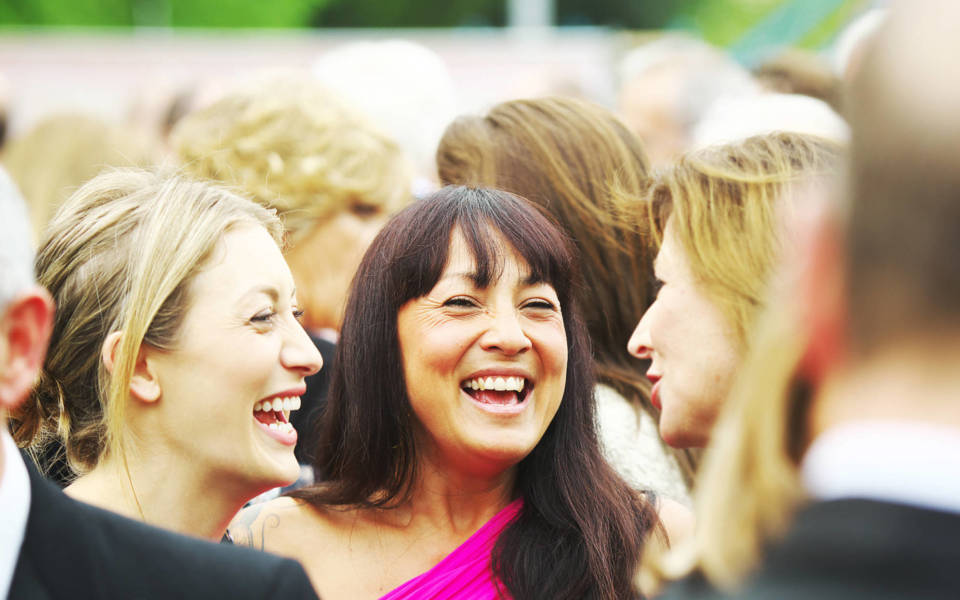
column 581, row 529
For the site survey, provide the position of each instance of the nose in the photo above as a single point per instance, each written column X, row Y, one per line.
column 299, row 352
column 505, row 334
column 639, row 344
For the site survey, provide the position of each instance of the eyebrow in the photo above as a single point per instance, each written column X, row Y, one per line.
column 267, row 290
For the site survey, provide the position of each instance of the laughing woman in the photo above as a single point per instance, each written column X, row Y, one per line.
column 176, row 353
column 461, row 453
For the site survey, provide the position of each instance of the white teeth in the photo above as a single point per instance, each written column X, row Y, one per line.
column 286, row 404
column 296, row 403
column 277, row 404
column 515, row 384
column 257, row 407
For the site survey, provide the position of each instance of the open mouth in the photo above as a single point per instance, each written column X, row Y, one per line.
column 497, row 391
column 274, row 416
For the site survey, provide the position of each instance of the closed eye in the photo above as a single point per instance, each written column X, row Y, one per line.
column 461, row 302
column 541, row 304
column 263, row 317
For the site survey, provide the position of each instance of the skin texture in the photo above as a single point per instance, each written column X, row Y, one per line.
column 458, row 331
column 241, row 342
column 691, row 349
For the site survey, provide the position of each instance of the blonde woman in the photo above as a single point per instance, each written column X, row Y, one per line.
column 585, row 169
column 717, row 212
column 176, row 354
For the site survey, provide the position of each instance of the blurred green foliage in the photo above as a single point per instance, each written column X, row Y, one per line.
column 722, row 22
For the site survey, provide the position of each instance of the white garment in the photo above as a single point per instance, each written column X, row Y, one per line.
column 14, row 506
column 906, row 463
column 633, row 447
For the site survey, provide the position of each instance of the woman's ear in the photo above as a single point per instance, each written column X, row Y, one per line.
column 144, row 385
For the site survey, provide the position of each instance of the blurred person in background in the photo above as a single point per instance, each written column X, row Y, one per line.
column 54, row 547
column 295, row 146
column 62, row 152
column 667, row 85
column 586, row 170
column 735, row 119
column 834, row 473
column 796, row 71
column 176, row 355
column 459, row 438
column 716, row 213
column 404, row 88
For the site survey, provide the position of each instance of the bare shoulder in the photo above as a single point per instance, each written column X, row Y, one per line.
column 262, row 525
column 677, row 519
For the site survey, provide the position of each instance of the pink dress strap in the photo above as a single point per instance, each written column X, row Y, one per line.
column 465, row 573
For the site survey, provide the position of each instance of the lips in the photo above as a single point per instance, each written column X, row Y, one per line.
column 655, row 391
column 272, row 415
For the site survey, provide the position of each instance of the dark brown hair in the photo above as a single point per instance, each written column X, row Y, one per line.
column 582, row 166
column 582, row 528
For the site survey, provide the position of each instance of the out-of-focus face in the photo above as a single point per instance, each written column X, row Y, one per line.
column 692, row 350
column 238, row 369
column 648, row 107
column 485, row 368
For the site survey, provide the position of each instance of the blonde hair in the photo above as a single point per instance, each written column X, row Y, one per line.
column 724, row 200
column 120, row 255
column 734, row 206
column 60, row 153
column 296, row 147
column 749, row 482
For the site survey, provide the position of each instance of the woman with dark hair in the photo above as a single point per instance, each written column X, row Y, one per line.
column 585, row 169
column 460, row 452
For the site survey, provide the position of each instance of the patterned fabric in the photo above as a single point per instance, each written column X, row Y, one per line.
column 465, row 573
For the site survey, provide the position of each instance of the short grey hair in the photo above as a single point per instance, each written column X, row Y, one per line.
column 16, row 242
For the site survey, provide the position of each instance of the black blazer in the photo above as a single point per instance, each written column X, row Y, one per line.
column 74, row 550
column 856, row 550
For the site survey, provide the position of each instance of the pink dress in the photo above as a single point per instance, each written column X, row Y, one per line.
column 465, row 573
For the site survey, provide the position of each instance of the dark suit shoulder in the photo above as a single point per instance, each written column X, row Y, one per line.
column 80, row 551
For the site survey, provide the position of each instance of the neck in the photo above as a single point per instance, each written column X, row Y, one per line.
column 904, row 384
column 166, row 496
column 455, row 502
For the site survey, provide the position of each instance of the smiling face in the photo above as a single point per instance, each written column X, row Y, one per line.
column 239, row 367
column 691, row 348
column 485, row 367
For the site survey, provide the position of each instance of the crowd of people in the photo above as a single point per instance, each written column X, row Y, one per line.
column 704, row 346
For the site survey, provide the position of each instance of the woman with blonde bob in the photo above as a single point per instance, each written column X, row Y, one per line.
column 717, row 214
column 585, row 169
column 176, row 354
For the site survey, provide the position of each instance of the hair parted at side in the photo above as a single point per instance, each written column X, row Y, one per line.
column 571, row 540
column 727, row 200
column 119, row 255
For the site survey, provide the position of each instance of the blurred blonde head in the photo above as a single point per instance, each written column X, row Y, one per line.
column 296, row 147
column 60, row 153
column 119, row 256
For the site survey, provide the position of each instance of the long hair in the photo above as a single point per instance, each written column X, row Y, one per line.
column 726, row 204
column 585, row 169
column 119, row 256
column 572, row 539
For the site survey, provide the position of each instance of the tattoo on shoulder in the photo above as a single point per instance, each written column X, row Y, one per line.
column 249, row 528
